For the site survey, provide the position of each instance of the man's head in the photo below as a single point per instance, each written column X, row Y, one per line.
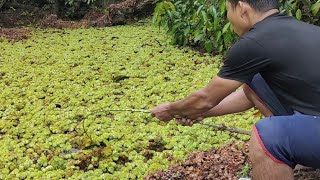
column 243, row 14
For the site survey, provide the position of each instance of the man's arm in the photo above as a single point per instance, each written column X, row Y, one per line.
column 234, row 103
column 199, row 102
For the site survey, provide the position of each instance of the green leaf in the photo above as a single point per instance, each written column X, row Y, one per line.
column 208, row 46
column 159, row 8
column 169, row 5
column 226, row 27
column 198, row 37
column 222, row 7
column 298, row 14
column 218, row 35
column 199, row 9
column 177, row 26
column 186, row 30
column 315, row 8
column 204, row 16
column 290, row 13
column 157, row 15
column 216, row 24
column 213, row 11
column 169, row 13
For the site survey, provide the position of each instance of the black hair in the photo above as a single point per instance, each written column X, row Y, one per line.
column 258, row 5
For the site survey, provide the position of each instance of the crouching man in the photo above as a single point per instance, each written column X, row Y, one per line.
column 273, row 66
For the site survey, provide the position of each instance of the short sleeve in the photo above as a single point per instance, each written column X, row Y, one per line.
column 245, row 59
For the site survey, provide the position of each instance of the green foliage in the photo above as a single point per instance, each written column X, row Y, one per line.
column 203, row 23
column 245, row 171
column 2, row 2
column 75, row 8
column 56, row 85
column 304, row 10
column 195, row 22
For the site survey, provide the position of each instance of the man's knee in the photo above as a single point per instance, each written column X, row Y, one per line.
column 256, row 153
column 264, row 166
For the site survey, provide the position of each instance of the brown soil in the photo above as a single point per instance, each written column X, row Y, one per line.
column 14, row 34
column 21, row 18
column 52, row 21
column 222, row 164
column 13, row 22
column 14, row 18
column 226, row 163
column 307, row 174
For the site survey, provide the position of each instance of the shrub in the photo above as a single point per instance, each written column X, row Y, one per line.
column 204, row 23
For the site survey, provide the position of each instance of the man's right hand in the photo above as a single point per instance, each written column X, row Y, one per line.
column 162, row 112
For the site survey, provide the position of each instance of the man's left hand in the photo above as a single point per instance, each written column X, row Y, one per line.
column 162, row 112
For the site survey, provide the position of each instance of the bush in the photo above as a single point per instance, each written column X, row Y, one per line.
column 203, row 23
column 195, row 22
column 304, row 10
column 2, row 2
column 76, row 9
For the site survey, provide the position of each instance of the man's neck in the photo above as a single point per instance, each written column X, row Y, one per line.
column 257, row 17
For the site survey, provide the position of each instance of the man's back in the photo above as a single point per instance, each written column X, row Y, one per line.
column 286, row 52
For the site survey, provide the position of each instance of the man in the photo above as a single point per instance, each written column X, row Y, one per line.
column 276, row 64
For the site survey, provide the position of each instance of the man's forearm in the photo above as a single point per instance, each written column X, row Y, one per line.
column 234, row 103
column 199, row 102
column 196, row 103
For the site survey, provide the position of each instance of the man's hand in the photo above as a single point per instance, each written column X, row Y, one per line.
column 162, row 112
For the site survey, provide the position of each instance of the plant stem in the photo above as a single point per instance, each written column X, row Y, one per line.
column 130, row 110
column 222, row 127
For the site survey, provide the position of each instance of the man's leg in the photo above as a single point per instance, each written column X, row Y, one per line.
column 279, row 143
column 264, row 168
column 256, row 101
column 258, row 92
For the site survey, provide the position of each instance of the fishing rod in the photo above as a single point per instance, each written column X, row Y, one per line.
column 219, row 127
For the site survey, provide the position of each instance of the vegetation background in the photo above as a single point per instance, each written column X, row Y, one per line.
column 62, row 68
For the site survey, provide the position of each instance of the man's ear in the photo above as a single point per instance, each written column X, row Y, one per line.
column 243, row 8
